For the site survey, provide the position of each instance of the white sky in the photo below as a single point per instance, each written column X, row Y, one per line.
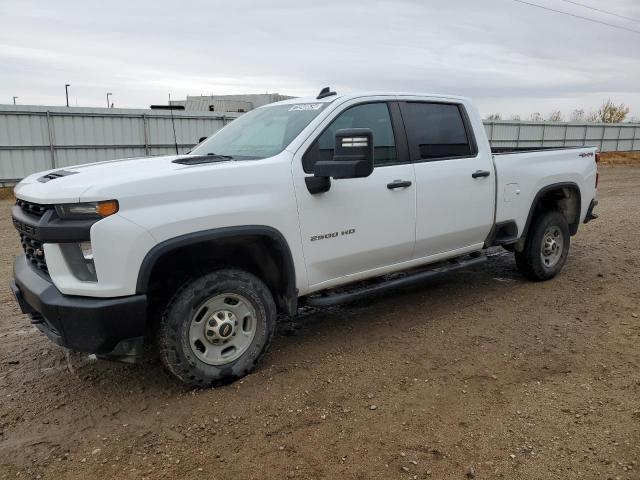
column 509, row 57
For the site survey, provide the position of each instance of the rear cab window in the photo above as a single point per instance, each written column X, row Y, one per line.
column 437, row 131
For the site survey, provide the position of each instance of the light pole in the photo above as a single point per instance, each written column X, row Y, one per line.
column 66, row 91
column 14, row 100
column 108, row 104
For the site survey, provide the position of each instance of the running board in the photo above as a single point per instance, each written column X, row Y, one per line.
column 325, row 300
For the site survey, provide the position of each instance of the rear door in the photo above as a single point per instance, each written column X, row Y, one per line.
column 455, row 184
column 361, row 224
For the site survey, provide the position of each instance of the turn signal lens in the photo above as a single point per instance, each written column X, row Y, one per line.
column 104, row 209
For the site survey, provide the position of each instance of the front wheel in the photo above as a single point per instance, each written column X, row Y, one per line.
column 546, row 247
column 216, row 327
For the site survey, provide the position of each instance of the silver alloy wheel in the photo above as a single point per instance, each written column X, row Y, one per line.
column 552, row 246
column 222, row 328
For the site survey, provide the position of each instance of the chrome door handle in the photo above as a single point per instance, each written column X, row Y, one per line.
column 398, row 184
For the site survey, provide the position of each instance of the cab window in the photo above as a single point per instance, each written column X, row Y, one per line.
column 437, row 131
column 369, row 115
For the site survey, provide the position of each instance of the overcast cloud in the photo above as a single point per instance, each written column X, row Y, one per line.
column 509, row 57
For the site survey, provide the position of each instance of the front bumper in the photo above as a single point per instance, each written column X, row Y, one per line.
column 111, row 327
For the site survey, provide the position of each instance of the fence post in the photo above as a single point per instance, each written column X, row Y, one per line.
column 51, row 140
column 604, row 130
column 518, row 136
column 584, row 138
column 544, row 128
column 566, row 129
column 145, row 126
column 633, row 140
column 618, row 139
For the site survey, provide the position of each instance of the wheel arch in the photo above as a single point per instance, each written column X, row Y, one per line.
column 241, row 245
column 565, row 196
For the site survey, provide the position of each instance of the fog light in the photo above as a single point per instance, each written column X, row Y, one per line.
column 87, row 250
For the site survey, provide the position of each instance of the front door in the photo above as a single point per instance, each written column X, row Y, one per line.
column 360, row 224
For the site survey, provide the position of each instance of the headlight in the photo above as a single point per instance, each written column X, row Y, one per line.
column 71, row 211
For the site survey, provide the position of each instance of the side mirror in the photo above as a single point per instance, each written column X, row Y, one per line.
column 352, row 158
column 202, row 139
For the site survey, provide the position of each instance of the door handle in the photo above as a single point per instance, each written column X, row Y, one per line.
column 398, row 184
column 480, row 173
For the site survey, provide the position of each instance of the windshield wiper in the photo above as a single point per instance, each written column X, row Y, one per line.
column 228, row 157
column 199, row 159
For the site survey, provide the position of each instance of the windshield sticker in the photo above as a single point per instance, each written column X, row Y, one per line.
column 306, row 106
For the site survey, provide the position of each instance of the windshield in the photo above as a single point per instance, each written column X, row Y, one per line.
column 261, row 133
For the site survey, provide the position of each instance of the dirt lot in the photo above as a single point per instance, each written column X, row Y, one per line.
column 481, row 374
column 621, row 158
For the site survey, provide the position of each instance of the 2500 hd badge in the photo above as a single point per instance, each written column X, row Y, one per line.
column 350, row 231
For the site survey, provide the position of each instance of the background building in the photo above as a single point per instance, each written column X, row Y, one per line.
column 228, row 103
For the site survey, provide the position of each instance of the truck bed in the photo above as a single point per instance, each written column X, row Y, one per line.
column 523, row 172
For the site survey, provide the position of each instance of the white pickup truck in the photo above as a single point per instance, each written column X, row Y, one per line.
column 310, row 201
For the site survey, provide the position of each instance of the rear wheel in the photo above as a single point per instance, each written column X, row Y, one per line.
column 217, row 327
column 546, row 247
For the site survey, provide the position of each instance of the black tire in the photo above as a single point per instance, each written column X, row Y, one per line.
column 174, row 339
column 530, row 261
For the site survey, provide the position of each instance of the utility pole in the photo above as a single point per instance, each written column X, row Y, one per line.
column 14, row 100
column 173, row 124
column 66, row 91
column 108, row 104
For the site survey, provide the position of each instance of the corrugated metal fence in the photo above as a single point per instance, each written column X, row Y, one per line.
column 40, row 138
column 34, row 138
column 607, row 137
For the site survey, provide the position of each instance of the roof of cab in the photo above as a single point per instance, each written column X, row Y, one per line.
column 352, row 96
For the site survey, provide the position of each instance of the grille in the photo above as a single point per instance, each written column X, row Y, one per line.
column 34, row 252
column 33, row 248
column 33, row 208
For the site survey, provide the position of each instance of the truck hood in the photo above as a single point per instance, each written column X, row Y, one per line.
column 72, row 182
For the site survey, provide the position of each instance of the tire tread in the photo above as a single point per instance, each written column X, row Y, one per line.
column 168, row 335
column 528, row 260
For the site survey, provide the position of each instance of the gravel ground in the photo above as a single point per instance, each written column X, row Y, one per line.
column 480, row 374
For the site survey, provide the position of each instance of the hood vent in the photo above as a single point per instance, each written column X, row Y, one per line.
column 54, row 175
